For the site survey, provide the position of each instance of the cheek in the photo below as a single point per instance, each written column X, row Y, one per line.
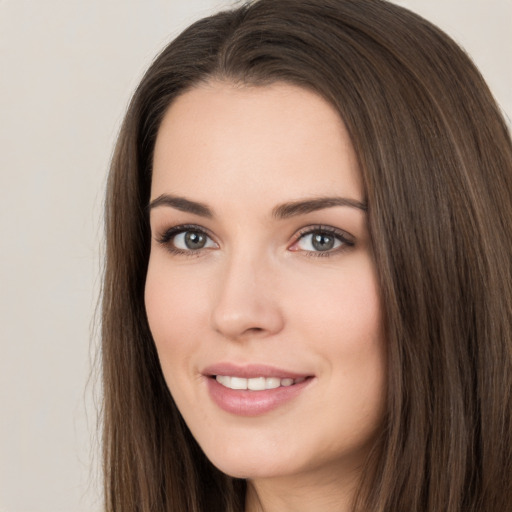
column 343, row 308
column 174, row 309
column 342, row 322
column 171, row 296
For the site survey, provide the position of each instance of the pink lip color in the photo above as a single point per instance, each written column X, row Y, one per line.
column 251, row 370
column 251, row 403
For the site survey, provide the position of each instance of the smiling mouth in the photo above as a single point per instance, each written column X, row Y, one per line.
column 256, row 383
column 253, row 390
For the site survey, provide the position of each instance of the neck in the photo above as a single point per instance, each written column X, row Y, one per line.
column 304, row 493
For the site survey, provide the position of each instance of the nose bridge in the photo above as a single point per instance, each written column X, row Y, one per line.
column 245, row 301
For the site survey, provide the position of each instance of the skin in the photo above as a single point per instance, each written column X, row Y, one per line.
column 260, row 292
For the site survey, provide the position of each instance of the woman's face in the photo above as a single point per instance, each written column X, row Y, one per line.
column 261, row 277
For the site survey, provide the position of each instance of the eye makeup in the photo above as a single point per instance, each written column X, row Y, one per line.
column 315, row 240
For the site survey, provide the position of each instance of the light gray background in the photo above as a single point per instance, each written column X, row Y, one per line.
column 67, row 69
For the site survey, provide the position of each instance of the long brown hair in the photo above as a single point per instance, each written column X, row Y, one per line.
column 436, row 160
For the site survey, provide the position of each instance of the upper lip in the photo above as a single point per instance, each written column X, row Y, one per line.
column 248, row 371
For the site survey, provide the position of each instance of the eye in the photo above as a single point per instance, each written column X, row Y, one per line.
column 186, row 239
column 192, row 241
column 323, row 241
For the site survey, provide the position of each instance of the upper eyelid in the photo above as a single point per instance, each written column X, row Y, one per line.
column 323, row 228
column 176, row 230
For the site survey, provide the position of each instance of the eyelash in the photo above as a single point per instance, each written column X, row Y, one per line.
column 346, row 240
column 166, row 239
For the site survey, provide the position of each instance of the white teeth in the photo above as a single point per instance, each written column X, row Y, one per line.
column 272, row 382
column 224, row 380
column 238, row 383
column 256, row 383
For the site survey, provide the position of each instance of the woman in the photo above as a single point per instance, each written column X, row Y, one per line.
column 308, row 290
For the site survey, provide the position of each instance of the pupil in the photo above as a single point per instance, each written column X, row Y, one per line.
column 323, row 242
column 194, row 240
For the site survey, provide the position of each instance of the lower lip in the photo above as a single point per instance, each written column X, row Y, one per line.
column 253, row 403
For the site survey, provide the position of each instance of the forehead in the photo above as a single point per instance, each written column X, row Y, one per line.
column 276, row 141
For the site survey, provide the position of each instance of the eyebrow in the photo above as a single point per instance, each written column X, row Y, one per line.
column 182, row 204
column 283, row 211
column 303, row 207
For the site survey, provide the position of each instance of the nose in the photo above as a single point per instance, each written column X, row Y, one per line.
column 246, row 302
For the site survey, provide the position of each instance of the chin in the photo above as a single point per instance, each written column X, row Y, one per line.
column 241, row 461
column 250, row 469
